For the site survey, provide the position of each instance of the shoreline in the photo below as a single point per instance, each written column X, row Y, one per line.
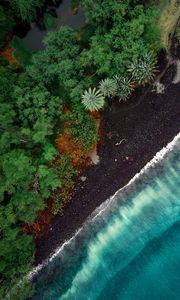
column 161, row 155
column 147, row 126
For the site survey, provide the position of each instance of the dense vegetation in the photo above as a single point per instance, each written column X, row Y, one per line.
column 6, row 23
column 26, row 9
column 47, row 100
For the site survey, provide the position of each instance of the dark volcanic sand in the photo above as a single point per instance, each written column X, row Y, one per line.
column 148, row 122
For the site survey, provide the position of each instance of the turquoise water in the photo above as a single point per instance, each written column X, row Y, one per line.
column 131, row 250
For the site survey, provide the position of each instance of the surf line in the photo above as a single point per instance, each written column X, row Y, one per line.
column 100, row 209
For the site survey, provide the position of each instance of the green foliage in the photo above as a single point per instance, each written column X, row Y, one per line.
column 83, row 129
column 20, row 52
column 6, row 23
column 49, row 152
column 93, row 99
column 86, row 34
column 31, row 112
column 13, row 259
column 25, row 203
column 101, row 13
column 7, row 115
column 58, row 62
column 66, row 171
column 144, row 68
column 28, row 114
column 123, row 32
column 108, row 87
column 48, row 180
column 125, row 87
column 37, row 104
column 8, row 78
column 17, row 169
column 26, row 9
column 49, row 21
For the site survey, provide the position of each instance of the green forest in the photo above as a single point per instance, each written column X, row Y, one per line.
column 54, row 96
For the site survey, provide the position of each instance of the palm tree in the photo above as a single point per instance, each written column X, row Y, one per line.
column 144, row 68
column 108, row 87
column 93, row 99
column 125, row 86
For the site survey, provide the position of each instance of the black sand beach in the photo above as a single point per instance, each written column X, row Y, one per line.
column 148, row 122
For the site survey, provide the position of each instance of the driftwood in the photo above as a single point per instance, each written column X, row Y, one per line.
column 119, row 143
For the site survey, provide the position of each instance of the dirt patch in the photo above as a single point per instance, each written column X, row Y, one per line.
column 7, row 53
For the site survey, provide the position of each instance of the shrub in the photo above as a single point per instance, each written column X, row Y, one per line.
column 22, row 54
column 66, row 172
column 83, row 129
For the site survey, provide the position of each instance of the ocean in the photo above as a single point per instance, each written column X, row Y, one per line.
column 129, row 248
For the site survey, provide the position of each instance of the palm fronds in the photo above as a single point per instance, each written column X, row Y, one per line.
column 108, row 87
column 125, row 86
column 93, row 99
column 143, row 69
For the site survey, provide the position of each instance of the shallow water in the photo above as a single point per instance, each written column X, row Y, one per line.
column 33, row 40
column 66, row 16
column 131, row 250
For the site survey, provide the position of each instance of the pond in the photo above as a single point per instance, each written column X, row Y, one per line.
column 33, row 38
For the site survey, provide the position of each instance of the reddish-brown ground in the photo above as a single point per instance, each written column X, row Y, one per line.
column 66, row 144
column 43, row 220
column 81, row 160
column 7, row 51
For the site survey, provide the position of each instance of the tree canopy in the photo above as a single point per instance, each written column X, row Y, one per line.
column 26, row 9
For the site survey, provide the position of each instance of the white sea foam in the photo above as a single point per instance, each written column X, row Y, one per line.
column 103, row 207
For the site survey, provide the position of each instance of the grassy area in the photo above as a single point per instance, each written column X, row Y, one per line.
column 170, row 14
column 21, row 54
